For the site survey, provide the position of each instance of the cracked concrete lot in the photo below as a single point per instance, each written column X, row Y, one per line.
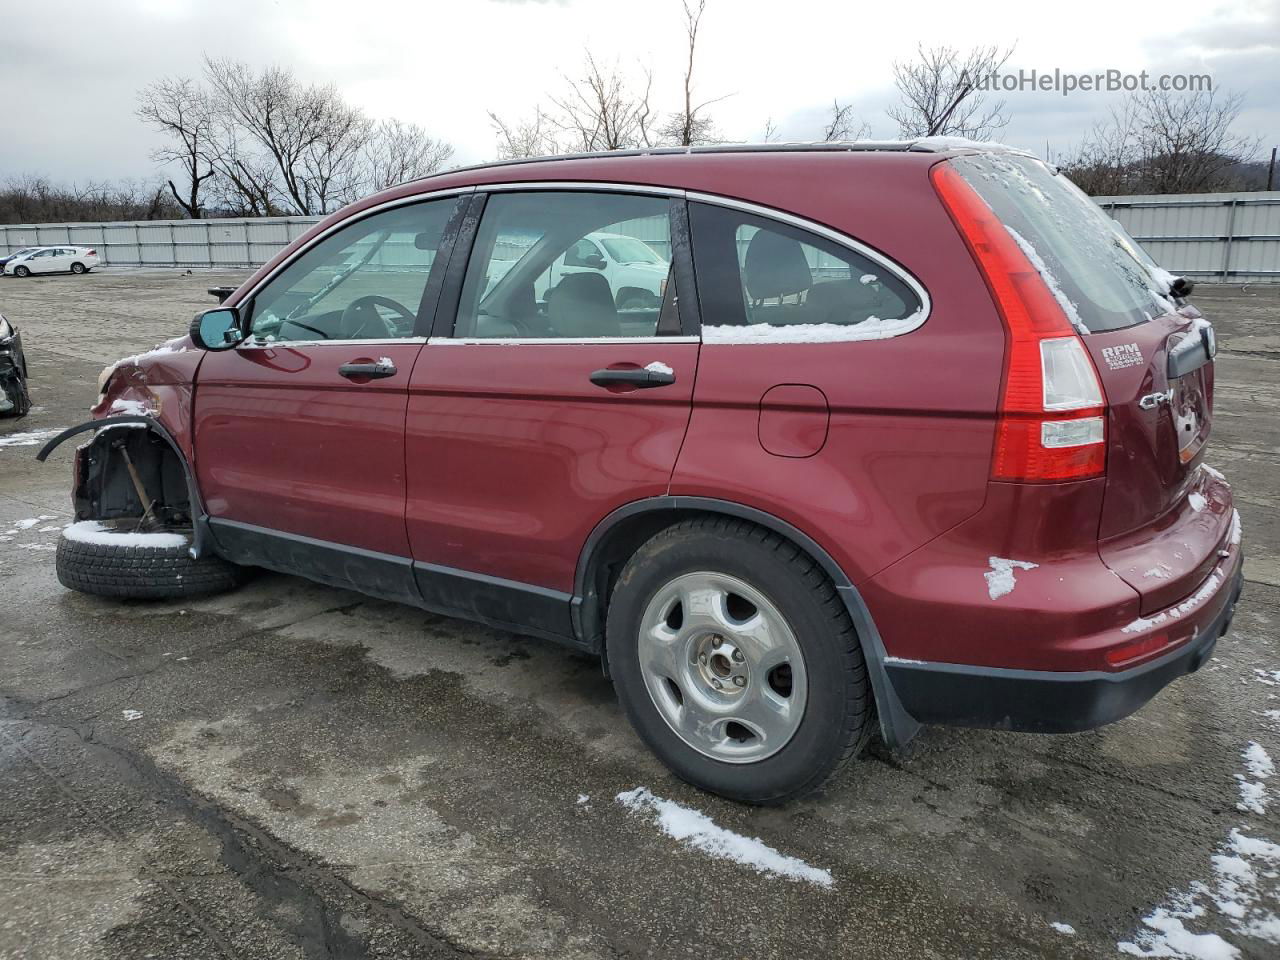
column 295, row 771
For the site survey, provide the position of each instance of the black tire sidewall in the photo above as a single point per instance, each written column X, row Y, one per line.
column 835, row 681
column 79, row 271
column 141, row 572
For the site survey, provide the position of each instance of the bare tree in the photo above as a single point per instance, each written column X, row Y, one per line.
column 1163, row 142
column 691, row 125
column 842, row 124
column 32, row 199
column 179, row 107
column 520, row 139
column 398, row 152
column 941, row 96
column 601, row 110
column 770, row 134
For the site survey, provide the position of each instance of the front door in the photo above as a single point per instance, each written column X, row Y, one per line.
column 299, row 431
column 546, row 407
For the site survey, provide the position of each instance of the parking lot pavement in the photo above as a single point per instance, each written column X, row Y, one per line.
column 295, row 771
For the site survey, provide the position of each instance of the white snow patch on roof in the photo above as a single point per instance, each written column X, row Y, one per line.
column 1000, row 580
column 91, row 531
column 696, row 829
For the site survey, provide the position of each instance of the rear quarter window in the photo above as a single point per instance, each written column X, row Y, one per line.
column 1103, row 280
column 762, row 280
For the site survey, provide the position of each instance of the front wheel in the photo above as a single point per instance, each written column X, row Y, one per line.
column 737, row 662
column 21, row 272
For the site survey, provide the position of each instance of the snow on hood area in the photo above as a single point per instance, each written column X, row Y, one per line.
column 695, row 829
column 91, row 531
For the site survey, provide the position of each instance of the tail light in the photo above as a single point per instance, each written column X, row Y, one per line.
column 1052, row 424
column 92, row 253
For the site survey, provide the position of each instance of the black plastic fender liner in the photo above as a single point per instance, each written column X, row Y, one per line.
column 897, row 726
column 199, row 516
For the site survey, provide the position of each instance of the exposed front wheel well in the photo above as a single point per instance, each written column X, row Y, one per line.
column 131, row 471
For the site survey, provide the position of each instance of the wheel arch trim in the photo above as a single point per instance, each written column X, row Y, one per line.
column 199, row 516
column 897, row 726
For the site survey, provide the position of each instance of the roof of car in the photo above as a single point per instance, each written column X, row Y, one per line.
column 916, row 145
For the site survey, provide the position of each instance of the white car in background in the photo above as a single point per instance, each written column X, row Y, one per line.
column 60, row 259
column 637, row 274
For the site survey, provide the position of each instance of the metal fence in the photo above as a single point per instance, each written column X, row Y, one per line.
column 167, row 243
column 1207, row 236
column 1211, row 236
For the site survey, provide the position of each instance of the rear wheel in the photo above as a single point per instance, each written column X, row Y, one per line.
column 21, row 272
column 737, row 662
column 77, row 268
column 108, row 559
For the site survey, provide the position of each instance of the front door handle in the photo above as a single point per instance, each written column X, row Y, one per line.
column 367, row 371
column 641, row 378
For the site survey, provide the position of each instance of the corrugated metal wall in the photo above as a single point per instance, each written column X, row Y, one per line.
column 167, row 243
column 1210, row 236
column 1207, row 236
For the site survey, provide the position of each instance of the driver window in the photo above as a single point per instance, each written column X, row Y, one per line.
column 539, row 269
column 364, row 282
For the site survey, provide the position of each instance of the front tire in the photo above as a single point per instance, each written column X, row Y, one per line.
column 21, row 272
column 737, row 662
column 112, row 562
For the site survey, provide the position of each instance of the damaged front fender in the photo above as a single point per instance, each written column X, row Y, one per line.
column 121, row 456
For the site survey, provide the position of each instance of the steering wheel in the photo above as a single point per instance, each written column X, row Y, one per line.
column 362, row 321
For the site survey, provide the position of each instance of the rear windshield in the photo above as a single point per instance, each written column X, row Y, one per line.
column 1103, row 280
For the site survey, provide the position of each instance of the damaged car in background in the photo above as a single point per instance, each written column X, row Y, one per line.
column 15, row 401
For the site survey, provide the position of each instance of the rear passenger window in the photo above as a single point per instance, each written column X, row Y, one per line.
column 758, row 277
column 566, row 265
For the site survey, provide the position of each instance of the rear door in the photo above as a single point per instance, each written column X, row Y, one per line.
column 299, row 431
column 545, row 406
column 1163, row 519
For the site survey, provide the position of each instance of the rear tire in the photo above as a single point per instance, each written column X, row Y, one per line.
column 761, row 736
column 141, row 572
column 77, row 268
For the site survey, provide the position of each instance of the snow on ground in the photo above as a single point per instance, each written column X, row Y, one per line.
column 29, row 438
column 1000, row 579
column 1066, row 928
column 697, row 830
column 91, row 531
column 1245, row 889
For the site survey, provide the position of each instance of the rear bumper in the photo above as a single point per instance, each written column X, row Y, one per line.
column 1042, row 701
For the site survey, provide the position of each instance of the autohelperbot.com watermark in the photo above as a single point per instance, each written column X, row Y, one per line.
column 1105, row 81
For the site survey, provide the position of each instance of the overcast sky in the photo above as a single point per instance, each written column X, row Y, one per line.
column 72, row 70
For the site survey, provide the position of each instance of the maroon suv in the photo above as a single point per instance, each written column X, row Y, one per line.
column 799, row 440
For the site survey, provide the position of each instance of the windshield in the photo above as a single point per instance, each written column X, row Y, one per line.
column 630, row 250
column 1096, row 271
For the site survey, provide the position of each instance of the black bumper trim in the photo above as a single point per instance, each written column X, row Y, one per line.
column 1042, row 701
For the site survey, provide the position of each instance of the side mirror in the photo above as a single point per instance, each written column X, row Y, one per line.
column 217, row 329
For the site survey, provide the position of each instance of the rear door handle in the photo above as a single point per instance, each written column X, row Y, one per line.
column 642, row 378
column 367, row 371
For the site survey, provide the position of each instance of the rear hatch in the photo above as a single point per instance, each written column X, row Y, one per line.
column 1163, row 520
